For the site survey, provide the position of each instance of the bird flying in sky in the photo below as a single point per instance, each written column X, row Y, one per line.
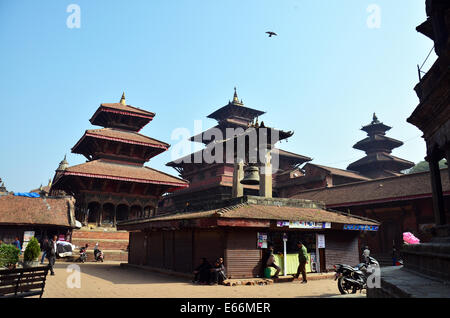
column 270, row 33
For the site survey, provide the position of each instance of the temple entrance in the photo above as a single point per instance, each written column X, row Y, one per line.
column 122, row 212
column 108, row 214
column 93, row 212
column 135, row 212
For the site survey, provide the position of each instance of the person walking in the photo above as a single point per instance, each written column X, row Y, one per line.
column 302, row 261
column 16, row 243
column 51, row 253
column 44, row 251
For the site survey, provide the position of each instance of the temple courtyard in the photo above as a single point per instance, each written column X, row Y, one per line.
column 110, row 280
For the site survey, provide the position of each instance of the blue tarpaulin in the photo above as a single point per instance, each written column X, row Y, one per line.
column 27, row 194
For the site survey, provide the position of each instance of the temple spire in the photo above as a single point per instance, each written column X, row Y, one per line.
column 63, row 165
column 236, row 99
column 122, row 100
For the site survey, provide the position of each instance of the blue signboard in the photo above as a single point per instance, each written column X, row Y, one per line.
column 360, row 227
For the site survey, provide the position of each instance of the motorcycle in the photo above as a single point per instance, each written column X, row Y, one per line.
column 83, row 255
column 98, row 254
column 351, row 279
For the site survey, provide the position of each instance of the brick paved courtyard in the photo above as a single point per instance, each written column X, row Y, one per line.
column 109, row 280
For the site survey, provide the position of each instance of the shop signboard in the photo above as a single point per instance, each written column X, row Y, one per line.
column 27, row 235
column 262, row 240
column 309, row 225
column 320, row 240
column 360, row 227
column 282, row 223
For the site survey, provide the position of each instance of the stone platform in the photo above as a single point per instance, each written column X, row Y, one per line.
column 399, row 282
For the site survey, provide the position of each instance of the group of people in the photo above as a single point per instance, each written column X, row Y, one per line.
column 207, row 274
column 302, row 261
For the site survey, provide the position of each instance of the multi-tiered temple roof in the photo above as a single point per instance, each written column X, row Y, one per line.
column 211, row 182
column 378, row 162
column 115, row 171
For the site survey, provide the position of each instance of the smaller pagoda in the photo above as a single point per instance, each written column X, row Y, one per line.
column 114, row 185
column 378, row 162
column 2, row 187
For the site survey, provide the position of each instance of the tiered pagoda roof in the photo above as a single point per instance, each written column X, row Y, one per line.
column 235, row 115
column 116, row 154
column 147, row 146
column 378, row 161
column 121, row 115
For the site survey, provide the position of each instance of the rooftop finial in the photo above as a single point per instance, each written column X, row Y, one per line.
column 122, row 100
column 63, row 165
column 235, row 97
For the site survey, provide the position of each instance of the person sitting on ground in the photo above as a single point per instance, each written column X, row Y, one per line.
column 218, row 275
column 202, row 273
column 271, row 262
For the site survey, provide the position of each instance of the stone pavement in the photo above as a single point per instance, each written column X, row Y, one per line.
column 110, row 280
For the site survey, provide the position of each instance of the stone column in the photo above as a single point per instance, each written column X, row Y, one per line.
column 436, row 186
column 238, row 175
column 265, row 177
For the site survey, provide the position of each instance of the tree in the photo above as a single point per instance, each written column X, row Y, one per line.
column 423, row 166
column 32, row 250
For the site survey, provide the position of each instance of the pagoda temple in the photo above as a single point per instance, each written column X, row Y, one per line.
column 213, row 182
column 2, row 187
column 114, row 184
column 378, row 162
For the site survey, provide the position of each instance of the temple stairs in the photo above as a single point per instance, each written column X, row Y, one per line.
column 113, row 243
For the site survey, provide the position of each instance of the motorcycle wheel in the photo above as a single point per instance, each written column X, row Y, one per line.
column 345, row 288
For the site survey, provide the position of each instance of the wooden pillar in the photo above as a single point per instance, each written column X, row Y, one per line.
column 265, row 177
column 238, row 174
column 436, row 186
column 85, row 210
column 115, row 216
column 100, row 214
column 447, row 156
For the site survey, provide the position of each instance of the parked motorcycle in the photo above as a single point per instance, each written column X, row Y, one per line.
column 351, row 279
column 83, row 255
column 98, row 255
